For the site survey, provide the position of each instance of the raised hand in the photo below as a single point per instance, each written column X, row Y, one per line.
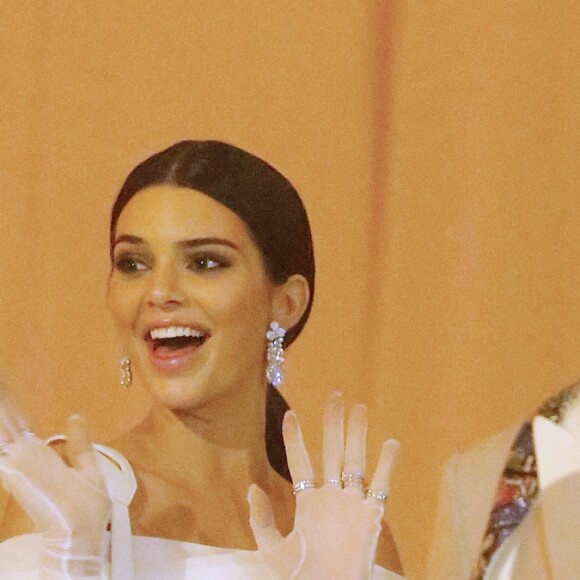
column 338, row 522
column 66, row 501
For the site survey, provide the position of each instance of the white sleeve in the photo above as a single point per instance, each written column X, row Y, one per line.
column 383, row 574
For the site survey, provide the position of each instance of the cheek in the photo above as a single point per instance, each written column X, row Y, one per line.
column 246, row 309
column 120, row 303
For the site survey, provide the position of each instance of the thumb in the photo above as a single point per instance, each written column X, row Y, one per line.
column 79, row 449
column 286, row 555
column 262, row 519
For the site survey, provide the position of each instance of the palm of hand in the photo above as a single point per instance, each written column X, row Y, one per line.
column 348, row 525
column 56, row 497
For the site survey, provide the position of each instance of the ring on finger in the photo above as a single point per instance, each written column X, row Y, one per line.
column 379, row 494
column 334, row 481
column 353, row 480
column 3, row 447
column 302, row 485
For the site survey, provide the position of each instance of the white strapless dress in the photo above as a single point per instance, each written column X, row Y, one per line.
column 157, row 559
column 145, row 558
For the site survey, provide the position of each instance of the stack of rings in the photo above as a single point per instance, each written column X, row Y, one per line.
column 353, row 480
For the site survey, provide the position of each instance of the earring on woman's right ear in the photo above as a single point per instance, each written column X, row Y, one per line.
column 275, row 354
column 125, row 376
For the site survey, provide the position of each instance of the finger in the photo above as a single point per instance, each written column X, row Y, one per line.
column 77, row 439
column 12, row 421
column 284, row 555
column 262, row 519
column 79, row 450
column 387, row 459
column 298, row 459
column 333, row 440
column 355, row 450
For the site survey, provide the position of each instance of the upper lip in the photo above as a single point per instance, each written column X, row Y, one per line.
column 173, row 328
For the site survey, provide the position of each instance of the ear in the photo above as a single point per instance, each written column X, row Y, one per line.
column 290, row 300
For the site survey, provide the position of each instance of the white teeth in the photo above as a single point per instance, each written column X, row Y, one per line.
column 174, row 332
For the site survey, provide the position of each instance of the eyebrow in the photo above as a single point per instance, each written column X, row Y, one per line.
column 194, row 243
column 129, row 239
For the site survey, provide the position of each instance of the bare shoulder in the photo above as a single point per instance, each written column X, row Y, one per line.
column 387, row 553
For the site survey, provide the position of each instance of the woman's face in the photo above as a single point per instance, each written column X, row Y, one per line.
column 189, row 295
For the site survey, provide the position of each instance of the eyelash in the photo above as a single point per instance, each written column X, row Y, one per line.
column 207, row 262
column 130, row 264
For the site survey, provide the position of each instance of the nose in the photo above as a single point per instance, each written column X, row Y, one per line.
column 165, row 289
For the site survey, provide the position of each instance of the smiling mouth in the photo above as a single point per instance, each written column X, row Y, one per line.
column 175, row 338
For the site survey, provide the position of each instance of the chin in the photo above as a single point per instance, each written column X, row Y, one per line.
column 175, row 396
column 181, row 393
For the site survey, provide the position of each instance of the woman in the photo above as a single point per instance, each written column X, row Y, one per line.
column 212, row 274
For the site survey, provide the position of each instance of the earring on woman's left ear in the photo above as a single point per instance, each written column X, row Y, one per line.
column 275, row 354
column 125, row 373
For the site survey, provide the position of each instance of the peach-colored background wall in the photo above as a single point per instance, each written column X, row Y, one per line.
column 435, row 146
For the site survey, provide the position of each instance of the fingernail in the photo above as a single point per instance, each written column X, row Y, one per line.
column 76, row 417
column 251, row 492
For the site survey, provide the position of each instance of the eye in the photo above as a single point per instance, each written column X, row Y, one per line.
column 130, row 264
column 206, row 262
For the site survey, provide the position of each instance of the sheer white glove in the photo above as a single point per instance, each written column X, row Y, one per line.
column 335, row 530
column 67, row 503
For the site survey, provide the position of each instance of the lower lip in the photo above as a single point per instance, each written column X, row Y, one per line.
column 173, row 360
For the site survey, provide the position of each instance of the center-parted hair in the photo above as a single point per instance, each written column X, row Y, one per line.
column 272, row 210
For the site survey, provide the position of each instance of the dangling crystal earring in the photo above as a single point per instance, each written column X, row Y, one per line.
column 275, row 354
column 125, row 376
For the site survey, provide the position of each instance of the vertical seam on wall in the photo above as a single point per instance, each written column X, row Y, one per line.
column 381, row 21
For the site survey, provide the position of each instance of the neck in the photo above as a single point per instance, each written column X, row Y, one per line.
column 227, row 433
column 202, row 461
